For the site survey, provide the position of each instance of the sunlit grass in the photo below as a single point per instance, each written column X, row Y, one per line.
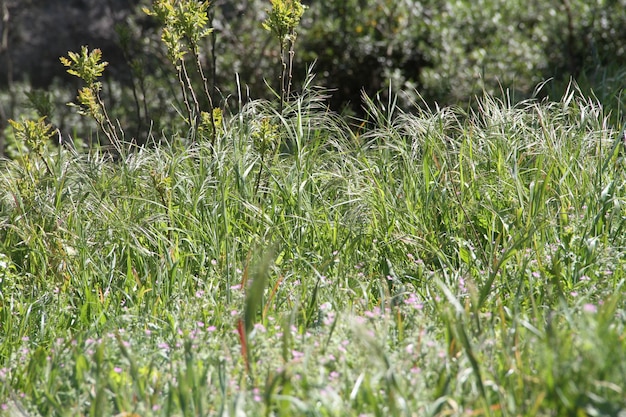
column 443, row 262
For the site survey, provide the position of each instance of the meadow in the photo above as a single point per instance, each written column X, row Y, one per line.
column 276, row 258
column 434, row 262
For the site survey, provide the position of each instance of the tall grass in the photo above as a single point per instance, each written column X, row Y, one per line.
column 438, row 262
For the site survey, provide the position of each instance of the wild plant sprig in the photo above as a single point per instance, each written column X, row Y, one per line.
column 185, row 24
column 35, row 134
column 88, row 67
column 282, row 20
column 266, row 139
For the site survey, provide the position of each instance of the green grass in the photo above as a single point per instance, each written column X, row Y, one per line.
column 431, row 263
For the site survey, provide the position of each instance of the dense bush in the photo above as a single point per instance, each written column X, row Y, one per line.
column 444, row 51
column 431, row 51
column 453, row 50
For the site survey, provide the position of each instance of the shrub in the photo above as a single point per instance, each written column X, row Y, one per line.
column 430, row 51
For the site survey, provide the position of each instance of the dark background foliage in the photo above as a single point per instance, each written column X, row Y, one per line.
column 430, row 51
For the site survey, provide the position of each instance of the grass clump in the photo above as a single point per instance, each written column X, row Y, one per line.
column 439, row 262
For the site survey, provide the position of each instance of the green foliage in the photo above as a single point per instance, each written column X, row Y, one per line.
column 430, row 51
column 265, row 135
column 364, row 44
column 266, row 140
column 439, row 262
column 88, row 67
column 283, row 19
column 450, row 52
column 184, row 24
column 464, row 260
column 211, row 126
column 35, row 135
column 41, row 102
